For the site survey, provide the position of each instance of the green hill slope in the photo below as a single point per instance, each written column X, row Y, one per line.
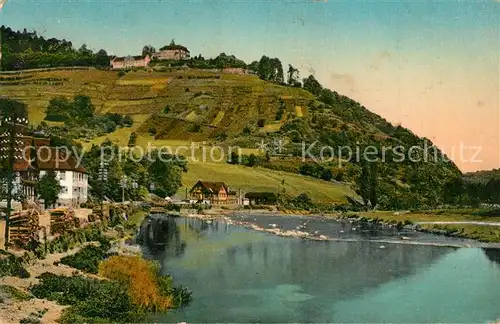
column 179, row 106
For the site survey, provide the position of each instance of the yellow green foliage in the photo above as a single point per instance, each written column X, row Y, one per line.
column 141, row 278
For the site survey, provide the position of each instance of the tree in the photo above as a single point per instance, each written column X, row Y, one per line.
column 166, row 172
column 148, row 50
column 264, row 68
column 254, row 67
column 373, row 184
column 102, row 58
column 84, row 50
column 276, row 71
column 363, row 184
column 234, row 158
column 367, row 183
column 293, row 76
column 49, row 188
column 312, row 85
column 84, row 107
column 132, row 139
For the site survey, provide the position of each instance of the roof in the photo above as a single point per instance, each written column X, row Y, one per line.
column 210, row 186
column 261, row 195
column 53, row 159
column 121, row 59
column 174, row 48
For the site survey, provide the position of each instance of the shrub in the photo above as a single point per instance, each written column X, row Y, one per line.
column 221, row 136
column 71, row 239
column 88, row 258
column 141, row 278
column 196, row 128
column 127, row 121
column 93, row 300
column 14, row 293
column 121, row 74
column 261, row 122
column 247, row 131
column 10, row 265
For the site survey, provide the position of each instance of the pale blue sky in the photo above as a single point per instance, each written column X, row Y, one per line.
column 432, row 66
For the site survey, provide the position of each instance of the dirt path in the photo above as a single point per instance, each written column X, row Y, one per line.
column 14, row 312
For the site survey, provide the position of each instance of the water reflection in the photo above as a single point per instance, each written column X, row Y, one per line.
column 493, row 255
column 162, row 236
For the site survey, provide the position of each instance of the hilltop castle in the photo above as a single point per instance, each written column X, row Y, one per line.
column 169, row 52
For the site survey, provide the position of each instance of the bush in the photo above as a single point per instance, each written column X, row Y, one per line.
column 71, row 239
column 247, row 131
column 88, row 258
column 145, row 288
column 196, row 128
column 121, row 74
column 10, row 265
column 93, row 300
column 14, row 293
column 261, row 122
column 221, row 136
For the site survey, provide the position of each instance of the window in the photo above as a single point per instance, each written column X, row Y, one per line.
column 64, row 190
column 62, row 175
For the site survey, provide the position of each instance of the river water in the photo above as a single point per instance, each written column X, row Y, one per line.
column 241, row 275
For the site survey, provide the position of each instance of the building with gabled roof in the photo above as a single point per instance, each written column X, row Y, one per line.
column 34, row 158
column 172, row 52
column 215, row 192
column 129, row 61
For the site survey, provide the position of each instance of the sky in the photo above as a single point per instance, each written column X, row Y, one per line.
column 433, row 67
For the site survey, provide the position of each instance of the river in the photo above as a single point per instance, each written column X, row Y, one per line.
column 241, row 275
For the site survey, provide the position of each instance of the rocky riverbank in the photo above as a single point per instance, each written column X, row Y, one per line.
column 302, row 231
column 17, row 304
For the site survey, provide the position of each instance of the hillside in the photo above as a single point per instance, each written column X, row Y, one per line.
column 176, row 106
column 482, row 176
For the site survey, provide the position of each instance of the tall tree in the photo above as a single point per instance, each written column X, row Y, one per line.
column 49, row 188
column 148, row 50
column 84, row 107
column 312, row 85
column 84, row 50
column 367, row 183
column 264, row 68
column 277, row 70
column 293, row 76
column 102, row 58
column 373, row 184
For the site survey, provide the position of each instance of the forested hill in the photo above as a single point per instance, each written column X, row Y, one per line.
column 269, row 104
column 27, row 50
column 483, row 176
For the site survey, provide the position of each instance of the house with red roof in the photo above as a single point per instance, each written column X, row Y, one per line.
column 215, row 192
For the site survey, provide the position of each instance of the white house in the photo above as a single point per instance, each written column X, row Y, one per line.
column 72, row 177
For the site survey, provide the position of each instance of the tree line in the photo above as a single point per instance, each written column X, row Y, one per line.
column 27, row 50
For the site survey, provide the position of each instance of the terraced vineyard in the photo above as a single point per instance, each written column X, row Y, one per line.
column 175, row 108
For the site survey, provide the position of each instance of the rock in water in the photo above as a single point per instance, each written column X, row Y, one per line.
column 382, row 247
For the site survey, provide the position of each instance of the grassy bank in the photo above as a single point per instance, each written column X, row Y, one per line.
column 482, row 233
